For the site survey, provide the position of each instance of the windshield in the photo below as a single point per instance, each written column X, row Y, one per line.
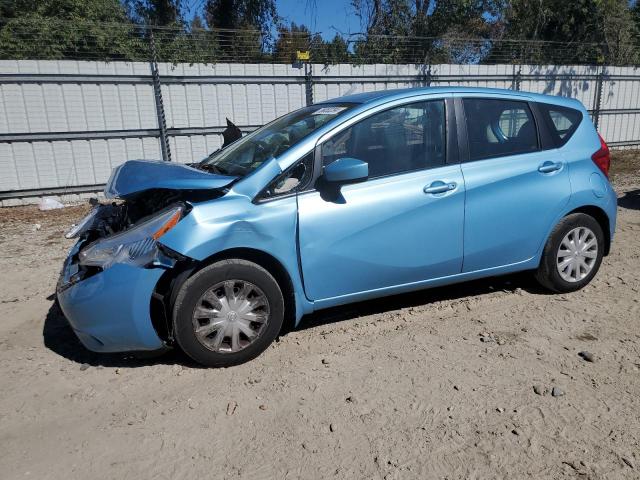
column 248, row 153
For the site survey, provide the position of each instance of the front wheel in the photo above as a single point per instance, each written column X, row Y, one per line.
column 572, row 255
column 228, row 313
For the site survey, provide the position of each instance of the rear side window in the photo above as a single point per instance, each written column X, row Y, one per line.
column 562, row 122
column 498, row 128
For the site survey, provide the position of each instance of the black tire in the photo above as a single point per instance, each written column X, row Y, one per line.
column 547, row 273
column 193, row 289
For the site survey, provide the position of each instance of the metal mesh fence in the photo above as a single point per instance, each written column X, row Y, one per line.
column 54, row 39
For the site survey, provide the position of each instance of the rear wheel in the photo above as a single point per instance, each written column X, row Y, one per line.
column 228, row 313
column 572, row 255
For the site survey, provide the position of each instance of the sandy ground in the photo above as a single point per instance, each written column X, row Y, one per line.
column 434, row 384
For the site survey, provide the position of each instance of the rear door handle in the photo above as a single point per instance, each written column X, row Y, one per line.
column 439, row 187
column 548, row 167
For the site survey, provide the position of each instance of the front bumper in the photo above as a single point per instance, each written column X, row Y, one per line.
column 110, row 311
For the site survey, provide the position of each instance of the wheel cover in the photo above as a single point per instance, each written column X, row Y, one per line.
column 230, row 316
column 577, row 254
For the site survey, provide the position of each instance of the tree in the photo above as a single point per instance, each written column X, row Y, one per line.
column 50, row 29
column 241, row 14
column 164, row 20
column 254, row 18
column 197, row 23
column 461, row 29
column 95, row 10
column 156, row 12
column 335, row 51
column 290, row 40
column 635, row 13
column 299, row 38
column 386, row 31
column 422, row 30
column 498, row 31
column 582, row 31
column 621, row 32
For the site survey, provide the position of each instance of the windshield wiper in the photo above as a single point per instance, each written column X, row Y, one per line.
column 214, row 168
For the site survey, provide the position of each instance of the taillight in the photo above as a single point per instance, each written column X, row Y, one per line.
column 602, row 158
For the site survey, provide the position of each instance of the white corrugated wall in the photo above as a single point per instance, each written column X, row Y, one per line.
column 85, row 106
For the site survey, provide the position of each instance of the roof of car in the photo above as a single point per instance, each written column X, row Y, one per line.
column 381, row 96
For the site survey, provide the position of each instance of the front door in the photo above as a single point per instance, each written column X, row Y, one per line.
column 403, row 225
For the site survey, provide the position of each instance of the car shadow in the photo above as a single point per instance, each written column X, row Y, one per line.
column 630, row 200
column 509, row 283
column 60, row 338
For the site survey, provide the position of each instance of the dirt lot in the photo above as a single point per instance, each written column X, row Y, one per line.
column 435, row 384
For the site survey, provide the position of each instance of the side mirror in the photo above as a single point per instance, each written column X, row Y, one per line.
column 346, row 170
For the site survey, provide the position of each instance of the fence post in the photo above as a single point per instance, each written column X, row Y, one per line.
column 598, row 98
column 517, row 77
column 157, row 90
column 308, row 82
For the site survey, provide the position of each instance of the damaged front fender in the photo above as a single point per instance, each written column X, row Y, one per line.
column 234, row 222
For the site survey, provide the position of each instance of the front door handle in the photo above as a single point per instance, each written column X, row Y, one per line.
column 548, row 167
column 439, row 187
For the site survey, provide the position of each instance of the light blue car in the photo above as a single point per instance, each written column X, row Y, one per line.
column 355, row 198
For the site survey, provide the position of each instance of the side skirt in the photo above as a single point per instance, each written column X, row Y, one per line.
column 434, row 282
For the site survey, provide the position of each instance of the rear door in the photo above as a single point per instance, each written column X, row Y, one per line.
column 401, row 226
column 515, row 189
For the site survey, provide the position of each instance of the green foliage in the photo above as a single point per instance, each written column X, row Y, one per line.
column 581, row 31
column 298, row 38
column 75, row 10
column 417, row 31
column 335, row 51
column 392, row 31
column 50, row 29
column 290, row 40
column 254, row 17
column 241, row 14
column 155, row 12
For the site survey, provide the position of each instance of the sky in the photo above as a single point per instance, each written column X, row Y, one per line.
column 329, row 17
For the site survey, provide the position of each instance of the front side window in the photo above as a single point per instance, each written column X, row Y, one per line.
column 250, row 152
column 499, row 127
column 401, row 139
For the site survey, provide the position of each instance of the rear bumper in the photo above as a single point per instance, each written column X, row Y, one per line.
column 110, row 311
column 612, row 211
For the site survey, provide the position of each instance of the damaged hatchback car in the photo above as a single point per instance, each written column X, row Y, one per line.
column 365, row 196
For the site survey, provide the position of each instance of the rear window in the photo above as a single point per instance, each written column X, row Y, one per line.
column 562, row 122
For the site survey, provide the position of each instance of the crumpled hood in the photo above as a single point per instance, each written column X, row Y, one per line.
column 136, row 176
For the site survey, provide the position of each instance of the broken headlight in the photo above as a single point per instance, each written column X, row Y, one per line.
column 82, row 225
column 135, row 246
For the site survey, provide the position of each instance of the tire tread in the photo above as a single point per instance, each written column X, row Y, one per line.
column 191, row 346
column 546, row 274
